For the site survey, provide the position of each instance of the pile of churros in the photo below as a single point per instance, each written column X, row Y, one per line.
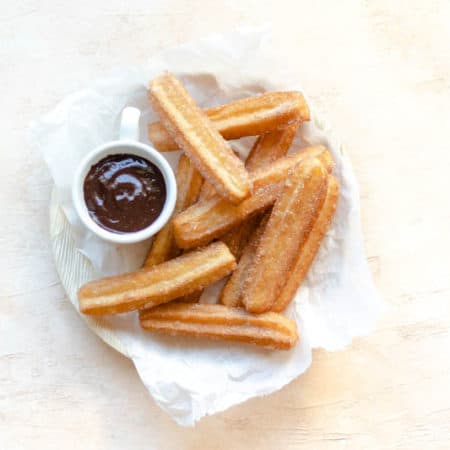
column 259, row 223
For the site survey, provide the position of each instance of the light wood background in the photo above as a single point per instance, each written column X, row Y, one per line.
column 380, row 71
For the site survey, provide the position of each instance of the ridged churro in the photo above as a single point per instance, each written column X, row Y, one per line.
column 290, row 221
column 250, row 116
column 231, row 294
column 308, row 250
column 189, row 182
column 207, row 220
column 194, row 132
column 159, row 284
column 267, row 148
column 270, row 330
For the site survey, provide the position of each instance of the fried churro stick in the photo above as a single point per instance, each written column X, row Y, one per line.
column 202, row 143
column 159, row 284
column 250, row 116
column 189, row 182
column 291, row 220
column 207, row 220
column 309, row 248
column 267, row 148
column 231, row 294
column 219, row 322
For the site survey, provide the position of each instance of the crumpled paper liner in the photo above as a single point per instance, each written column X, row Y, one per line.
column 191, row 378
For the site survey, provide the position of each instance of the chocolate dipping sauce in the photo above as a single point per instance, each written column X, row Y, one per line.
column 124, row 193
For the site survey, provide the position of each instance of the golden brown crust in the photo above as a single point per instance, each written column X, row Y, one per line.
column 201, row 142
column 207, row 220
column 189, row 182
column 250, row 116
column 207, row 191
column 193, row 297
column 160, row 284
column 220, row 322
column 237, row 238
column 290, row 221
column 308, row 250
column 269, row 147
column 231, row 294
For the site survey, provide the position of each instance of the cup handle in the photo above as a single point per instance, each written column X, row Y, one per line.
column 129, row 124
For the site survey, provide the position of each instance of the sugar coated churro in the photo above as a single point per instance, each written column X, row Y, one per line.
column 289, row 223
column 267, row 148
column 202, row 143
column 160, row 284
column 189, row 182
column 250, row 116
column 220, row 322
column 308, row 250
column 205, row 221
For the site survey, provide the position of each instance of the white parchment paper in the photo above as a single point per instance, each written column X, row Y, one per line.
column 192, row 378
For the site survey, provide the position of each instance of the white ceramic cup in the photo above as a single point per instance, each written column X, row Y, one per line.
column 128, row 143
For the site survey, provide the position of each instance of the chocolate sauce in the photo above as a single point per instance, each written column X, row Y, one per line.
column 124, row 193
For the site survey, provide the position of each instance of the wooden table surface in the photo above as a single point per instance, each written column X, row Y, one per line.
column 380, row 71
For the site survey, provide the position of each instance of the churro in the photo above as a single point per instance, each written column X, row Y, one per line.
column 202, row 143
column 189, row 182
column 309, row 248
column 207, row 220
column 159, row 284
column 231, row 294
column 250, row 116
column 290, row 221
column 267, row 148
column 270, row 330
